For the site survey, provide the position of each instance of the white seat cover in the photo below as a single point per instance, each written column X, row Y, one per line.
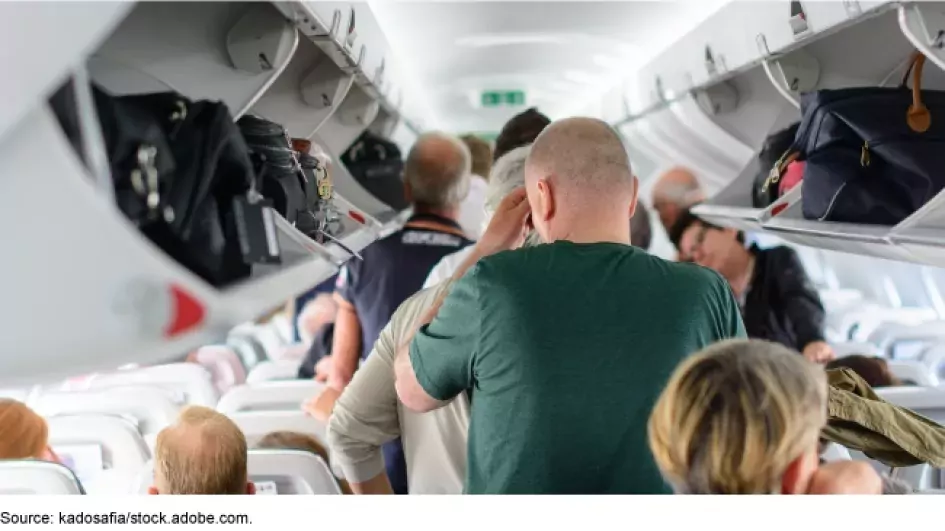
column 114, row 441
column 852, row 348
column 256, row 424
column 192, row 381
column 151, row 407
column 287, row 369
column 269, row 396
column 835, row 452
column 914, row 371
column 37, row 477
column 926, row 401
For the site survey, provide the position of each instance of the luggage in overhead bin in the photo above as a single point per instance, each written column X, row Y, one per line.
column 873, row 155
column 180, row 172
column 766, row 185
column 377, row 165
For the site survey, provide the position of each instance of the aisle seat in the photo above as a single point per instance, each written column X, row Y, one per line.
column 269, row 396
column 257, row 424
column 104, row 451
column 279, row 472
column 250, row 350
column 286, row 369
column 28, row 476
column 852, row 348
column 267, row 334
column 891, row 337
column 934, row 358
column 192, row 381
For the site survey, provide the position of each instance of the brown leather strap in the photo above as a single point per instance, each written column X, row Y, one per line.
column 918, row 116
column 431, row 225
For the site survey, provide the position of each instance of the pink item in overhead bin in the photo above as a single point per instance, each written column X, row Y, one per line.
column 224, row 365
column 793, row 175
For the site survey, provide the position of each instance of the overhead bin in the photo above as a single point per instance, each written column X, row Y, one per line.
column 767, row 56
column 299, row 64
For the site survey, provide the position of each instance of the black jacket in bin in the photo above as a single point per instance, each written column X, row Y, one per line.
column 781, row 304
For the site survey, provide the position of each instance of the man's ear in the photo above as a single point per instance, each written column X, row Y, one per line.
column 795, row 478
column 152, row 490
column 250, row 487
column 546, row 200
column 633, row 201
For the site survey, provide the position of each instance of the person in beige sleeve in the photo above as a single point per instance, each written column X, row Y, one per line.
column 368, row 413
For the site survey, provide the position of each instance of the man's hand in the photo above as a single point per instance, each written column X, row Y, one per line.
column 506, row 228
column 323, row 369
column 845, row 477
column 320, row 406
column 819, row 352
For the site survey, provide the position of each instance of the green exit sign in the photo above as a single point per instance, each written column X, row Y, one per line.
column 497, row 98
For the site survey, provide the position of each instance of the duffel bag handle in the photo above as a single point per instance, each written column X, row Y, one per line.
column 918, row 116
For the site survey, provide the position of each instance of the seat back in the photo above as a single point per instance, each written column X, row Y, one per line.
column 28, row 476
column 852, row 348
column 257, row 424
column 269, row 396
column 224, row 366
column 934, row 358
column 151, row 408
column 835, row 452
column 274, row 472
column 266, row 371
column 914, row 371
column 250, row 350
column 104, row 451
column 191, row 380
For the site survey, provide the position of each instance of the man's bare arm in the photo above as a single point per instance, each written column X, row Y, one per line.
column 379, row 484
column 346, row 346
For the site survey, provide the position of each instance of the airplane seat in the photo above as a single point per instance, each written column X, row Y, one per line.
column 267, row 335
column 250, row 350
column 835, row 452
column 104, row 451
column 287, row 369
column 20, row 395
column 269, row 396
column 257, row 424
column 30, row 476
column 852, row 348
column 915, row 372
column 150, row 408
column 919, row 477
column 906, row 340
column 223, row 364
column 934, row 358
column 279, row 472
column 192, row 381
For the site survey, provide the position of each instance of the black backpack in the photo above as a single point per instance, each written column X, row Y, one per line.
column 377, row 165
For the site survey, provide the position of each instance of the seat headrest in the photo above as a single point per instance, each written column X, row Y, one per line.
column 269, row 396
column 29, row 476
column 151, row 407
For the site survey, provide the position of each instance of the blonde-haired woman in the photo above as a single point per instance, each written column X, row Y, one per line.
column 744, row 417
column 23, row 433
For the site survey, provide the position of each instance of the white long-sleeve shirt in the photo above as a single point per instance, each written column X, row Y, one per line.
column 368, row 414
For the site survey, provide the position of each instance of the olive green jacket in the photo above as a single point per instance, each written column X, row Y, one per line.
column 860, row 420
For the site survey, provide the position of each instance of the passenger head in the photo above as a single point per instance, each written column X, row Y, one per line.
column 481, row 153
column 204, row 452
column 706, row 244
column 293, row 440
column 641, row 233
column 740, row 417
column 23, row 433
column 317, row 313
column 521, row 130
column 579, row 183
column 436, row 173
column 874, row 370
column 675, row 191
column 508, row 173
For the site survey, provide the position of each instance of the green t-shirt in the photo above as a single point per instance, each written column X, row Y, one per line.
column 565, row 348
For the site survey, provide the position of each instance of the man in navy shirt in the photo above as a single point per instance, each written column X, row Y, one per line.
column 436, row 180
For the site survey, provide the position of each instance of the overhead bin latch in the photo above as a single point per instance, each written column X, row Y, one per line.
column 853, row 8
column 798, row 20
column 713, row 64
column 658, row 86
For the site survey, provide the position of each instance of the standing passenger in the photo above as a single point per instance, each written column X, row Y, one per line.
column 674, row 192
column 436, row 178
column 470, row 210
column 565, row 346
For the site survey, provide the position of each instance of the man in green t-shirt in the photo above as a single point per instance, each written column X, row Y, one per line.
column 564, row 347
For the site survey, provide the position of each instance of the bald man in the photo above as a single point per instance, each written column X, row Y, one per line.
column 204, row 452
column 675, row 191
column 436, row 180
column 564, row 347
